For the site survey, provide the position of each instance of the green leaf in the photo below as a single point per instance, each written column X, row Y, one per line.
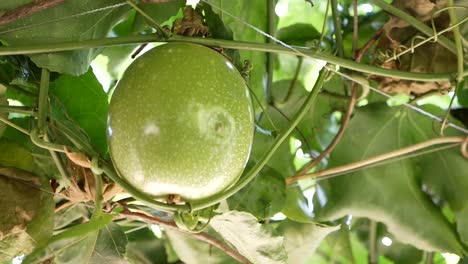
column 26, row 213
column 301, row 240
column 14, row 155
column 251, row 239
column 10, row 4
column 70, row 215
column 106, row 245
column 339, row 247
column 443, row 172
column 146, row 252
column 254, row 13
column 263, row 197
column 214, row 22
column 191, row 250
column 298, row 34
column 399, row 252
column 387, row 193
column 462, row 225
column 69, row 21
column 85, row 102
column 145, row 248
column 160, row 13
column 296, row 207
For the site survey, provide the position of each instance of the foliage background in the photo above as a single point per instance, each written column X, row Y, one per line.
column 417, row 203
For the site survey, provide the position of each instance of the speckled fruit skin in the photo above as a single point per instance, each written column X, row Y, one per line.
column 181, row 122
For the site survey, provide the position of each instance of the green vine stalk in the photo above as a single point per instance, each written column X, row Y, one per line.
column 229, row 44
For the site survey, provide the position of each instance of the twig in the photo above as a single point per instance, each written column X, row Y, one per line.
column 200, row 236
column 366, row 47
column 379, row 158
column 337, row 138
column 28, row 9
column 429, row 257
column 293, row 82
column 324, row 25
column 373, row 242
column 25, row 110
column 13, row 125
column 355, row 27
column 460, row 63
column 309, row 148
column 346, row 118
column 337, row 28
column 325, row 92
column 270, row 59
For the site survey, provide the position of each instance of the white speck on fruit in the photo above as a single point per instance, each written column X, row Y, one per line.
column 230, row 66
column 139, row 176
column 151, row 129
column 109, row 131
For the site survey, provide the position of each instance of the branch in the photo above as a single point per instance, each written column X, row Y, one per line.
column 28, row 9
column 228, row 44
column 200, row 236
column 352, row 102
column 337, row 138
column 389, row 155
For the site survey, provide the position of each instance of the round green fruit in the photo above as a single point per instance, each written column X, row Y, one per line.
column 180, row 122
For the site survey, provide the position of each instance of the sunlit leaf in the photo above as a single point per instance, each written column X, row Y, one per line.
column 87, row 19
column 298, row 34
column 388, row 193
column 85, row 102
column 301, row 240
column 251, row 239
column 14, row 155
column 191, row 250
column 296, row 207
column 106, row 245
column 263, row 197
column 144, row 247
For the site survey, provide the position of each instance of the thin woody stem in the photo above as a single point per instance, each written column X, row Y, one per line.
column 200, row 236
column 378, row 158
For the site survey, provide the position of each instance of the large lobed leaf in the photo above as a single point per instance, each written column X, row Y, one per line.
column 302, row 239
column 70, row 21
column 106, row 245
column 191, row 250
column 263, row 197
column 391, row 193
column 249, row 237
column 85, row 102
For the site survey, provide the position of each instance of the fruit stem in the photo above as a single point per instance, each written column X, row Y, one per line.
column 98, row 196
column 309, row 102
column 140, row 196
